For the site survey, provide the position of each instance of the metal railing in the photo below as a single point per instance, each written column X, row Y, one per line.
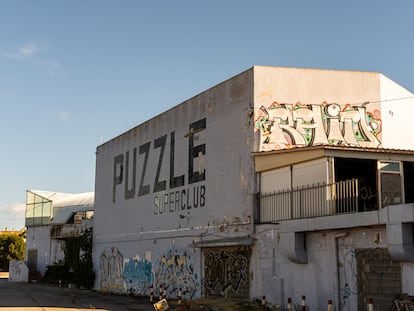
column 309, row 201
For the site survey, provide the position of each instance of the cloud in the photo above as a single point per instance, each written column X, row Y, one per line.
column 28, row 50
column 63, row 115
column 12, row 215
column 25, row 52
column 33, row 54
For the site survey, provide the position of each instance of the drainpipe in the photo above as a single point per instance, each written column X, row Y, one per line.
column 337, row 278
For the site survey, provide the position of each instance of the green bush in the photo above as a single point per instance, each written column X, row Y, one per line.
column 57, row 275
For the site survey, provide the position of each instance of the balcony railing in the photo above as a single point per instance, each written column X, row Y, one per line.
column 310, row 201
column 68, row 230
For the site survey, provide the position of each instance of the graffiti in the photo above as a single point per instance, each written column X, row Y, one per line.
column 371, row 273
column 175, row 272
column 111, row 267
column 18, row 271
column 368, row 198
column 138, row 276
column 226, row 271
column 285, row 125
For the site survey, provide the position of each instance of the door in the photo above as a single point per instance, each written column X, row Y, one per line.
column 32, row 260
column 226, row 271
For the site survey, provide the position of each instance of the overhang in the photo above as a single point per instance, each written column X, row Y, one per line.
column 268, row 160
column 246, row 241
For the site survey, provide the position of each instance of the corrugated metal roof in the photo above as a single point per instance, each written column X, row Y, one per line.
column 78, row 199
column 61, row 199
column 66, row 204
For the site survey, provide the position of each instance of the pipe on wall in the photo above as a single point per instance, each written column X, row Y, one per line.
column 337, row 277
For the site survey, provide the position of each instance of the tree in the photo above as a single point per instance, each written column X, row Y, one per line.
column 78, row 265
column 12, row 247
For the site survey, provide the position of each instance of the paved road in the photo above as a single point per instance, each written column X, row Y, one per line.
column 40, row 297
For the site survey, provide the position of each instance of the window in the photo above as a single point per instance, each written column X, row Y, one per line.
column 390, row 178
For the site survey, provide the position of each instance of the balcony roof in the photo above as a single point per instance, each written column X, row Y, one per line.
column 268, row 160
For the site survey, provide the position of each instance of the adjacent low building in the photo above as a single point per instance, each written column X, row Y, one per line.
column 279, row 182
column 52, row 217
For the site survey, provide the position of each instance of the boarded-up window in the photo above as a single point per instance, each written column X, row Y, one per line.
column 379, row 278
column 226, row 271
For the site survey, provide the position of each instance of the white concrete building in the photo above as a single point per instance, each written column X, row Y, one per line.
column 51, row 217
column 281, row 182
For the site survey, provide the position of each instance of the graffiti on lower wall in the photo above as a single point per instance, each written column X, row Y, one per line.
column 286, row 125
column 111, row 268
column 138, row 276
column 227, row 272
column 18, row 271
column 174, row 271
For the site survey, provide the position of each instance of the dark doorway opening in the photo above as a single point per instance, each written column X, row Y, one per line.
column 365, row 171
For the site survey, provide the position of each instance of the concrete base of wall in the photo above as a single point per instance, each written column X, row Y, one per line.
column 18, row 271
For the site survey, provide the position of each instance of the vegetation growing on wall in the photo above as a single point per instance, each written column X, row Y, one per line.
column 12, row 247
column 84, row 275
column 77, row 267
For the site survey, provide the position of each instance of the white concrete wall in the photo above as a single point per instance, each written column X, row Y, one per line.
column 278, row 279
column 397, row 109
column 38, row 237
column 213, row 133
column 313, row 106
column 18, row 271
column 149, row 179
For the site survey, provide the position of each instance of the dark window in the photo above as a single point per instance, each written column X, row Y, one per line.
column 366, row 173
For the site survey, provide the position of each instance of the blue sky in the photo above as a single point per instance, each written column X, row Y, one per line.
column 74, row 74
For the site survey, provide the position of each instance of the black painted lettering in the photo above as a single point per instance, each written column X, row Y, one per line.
column 175, row 181
column 156, row 204
column 195, row 197
column 183, row 199
column 117, row 180
column 177, row 201
column 202, row 195
column 160, row 143
column 165, row 203
column 144, row 189
column 188, row 199
column 194, row 151
column 130, row 192
column 171, row 203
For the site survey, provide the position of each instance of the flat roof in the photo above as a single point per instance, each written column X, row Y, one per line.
column 267, row 160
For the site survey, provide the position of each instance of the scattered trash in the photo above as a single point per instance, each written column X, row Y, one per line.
column 161, row 305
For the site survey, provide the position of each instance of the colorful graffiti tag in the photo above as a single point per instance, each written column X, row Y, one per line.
column 138, row 276
column 175, row 271
column 286, row 125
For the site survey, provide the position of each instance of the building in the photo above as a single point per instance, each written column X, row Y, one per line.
column 51, row 217
column 279, row 182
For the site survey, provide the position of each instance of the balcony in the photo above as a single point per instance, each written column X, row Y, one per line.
column 334, row 206
column 343, row 197
column 68, row 230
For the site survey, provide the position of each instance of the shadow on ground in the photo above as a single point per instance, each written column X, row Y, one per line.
column 214, row 304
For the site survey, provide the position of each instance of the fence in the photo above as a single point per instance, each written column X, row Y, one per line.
column 309, row 201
